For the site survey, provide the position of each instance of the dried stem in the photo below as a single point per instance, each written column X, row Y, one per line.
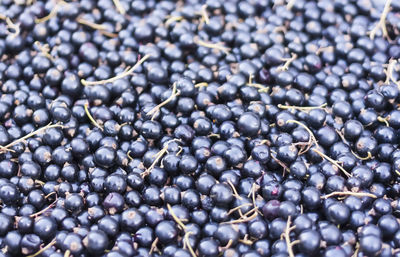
column 253, row 197
column 290, row 4
column 228, row 245
column 261, row 88
column 180, row 150
column 187, row 243
column 172, row 19
column 369, row 156
column 4, row 148
column 389, row 72
column 295, row 242
column 384, row 120
column 217, row 46
column 12, row 26
column 246, row 241
column 332, row 161
column 53, row 12
column 326, row 48
column 238, row 208
column 244, row 218
column 287, row 237
column 201, row 85
column 53, row 242
column 119, row 7
column 340, row 133
column 235, row 193
column 287, row 63
column 301, row 108
column 94, row 122
column 356, row 250
column 44, row 49
column 101, row 28
column 356, row 194
column 119, row 76
column 153, row 246
column 312, row 138
column 214, row 135
column 39, row 182
column 67, row 253
column 158, row 156
column 382, row 22
column 88, row 23
column 128, row 154
column 44, row 210
column 49, row 194
column 280, row 162
column 204, row 14
column 176, row 219
column 174, row 93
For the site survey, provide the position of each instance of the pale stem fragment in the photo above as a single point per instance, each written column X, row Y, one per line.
column 382, row 22
column 127, row 72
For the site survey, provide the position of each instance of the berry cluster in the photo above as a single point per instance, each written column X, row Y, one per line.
column 192, row 128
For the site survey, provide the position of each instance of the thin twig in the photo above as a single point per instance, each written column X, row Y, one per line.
column 287, row 63
column 12, row 26
column 356, row 250
column 369, row 156
column 261, row 88
column 119, row 7
column 176, row 219
column 53, row 12
column 357, row 194
column 158, row 156
column 340, row 133
column 157, row 108
column 312, row 138
column 172, row 19
column 238, row 208
column 94, row 122
column 290, row 4
column 128, row 154
column 280, row 163
column 187, row 243
column 204, row 14
column 67, row 253
column 44, row 210
column 253, row 197
column 382, row 22
column 287, row 237
column 244, row 218
column 235, row 193
column 53, row 242
column 217, row 46
column 100, row 27
column 332, row 161
column 389, row 73
column 2, row 148
column 246, row 241
column 201, row 85
column 384, row 120
column 119, row 76
column 326, row 48
column 153, row 246
column 44, row 49
column 183, row 227
column 301, row 108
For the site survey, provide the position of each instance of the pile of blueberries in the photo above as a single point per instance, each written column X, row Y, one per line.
column 193, row 128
